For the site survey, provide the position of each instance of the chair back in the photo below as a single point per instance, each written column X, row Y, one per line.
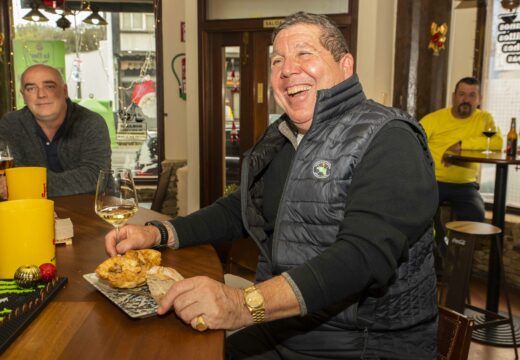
column 453, row 335
column 162, row 189
column 243, row 258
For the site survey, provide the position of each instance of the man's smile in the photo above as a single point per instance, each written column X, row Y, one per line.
column 293, row 90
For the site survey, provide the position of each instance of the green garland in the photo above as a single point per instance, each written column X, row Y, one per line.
column 10, row 287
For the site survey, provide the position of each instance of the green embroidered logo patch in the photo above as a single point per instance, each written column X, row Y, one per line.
column 321, row 169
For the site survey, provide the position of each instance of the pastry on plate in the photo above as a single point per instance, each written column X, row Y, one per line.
column 129, row 270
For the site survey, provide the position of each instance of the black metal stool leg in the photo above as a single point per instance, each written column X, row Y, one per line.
column 506, row 293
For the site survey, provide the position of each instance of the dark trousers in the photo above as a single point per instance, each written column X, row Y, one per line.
column 258, row 343
column 266, row 341
column 464, row 199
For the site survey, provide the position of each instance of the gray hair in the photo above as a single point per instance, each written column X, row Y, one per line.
column 331, row 37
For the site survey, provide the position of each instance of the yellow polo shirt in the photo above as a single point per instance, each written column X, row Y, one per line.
column 443, row 130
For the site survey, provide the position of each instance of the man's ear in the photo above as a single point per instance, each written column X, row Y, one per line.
column 23, row 96
column 347, row 65
column 65, row 90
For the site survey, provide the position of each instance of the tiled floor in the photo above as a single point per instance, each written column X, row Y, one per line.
column 478, row 351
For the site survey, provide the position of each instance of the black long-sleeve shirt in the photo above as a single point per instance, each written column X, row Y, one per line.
column 392, row 200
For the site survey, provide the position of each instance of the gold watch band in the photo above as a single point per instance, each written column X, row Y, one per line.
column 254, row 302
column 258, row 315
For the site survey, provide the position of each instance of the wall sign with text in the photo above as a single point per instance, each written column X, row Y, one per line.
column 507, row 49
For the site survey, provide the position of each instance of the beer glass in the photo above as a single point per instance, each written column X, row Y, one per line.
column 116, row 198
column 6, row 160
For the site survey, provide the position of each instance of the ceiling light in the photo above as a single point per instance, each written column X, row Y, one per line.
column 95, row 18
column 510, row 4
column 35, row 14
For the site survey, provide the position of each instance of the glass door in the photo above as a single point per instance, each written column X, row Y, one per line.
column 235, row 92
column 231, row 116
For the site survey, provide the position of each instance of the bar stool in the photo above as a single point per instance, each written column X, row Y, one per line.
column 454, row 285
column 443, row 215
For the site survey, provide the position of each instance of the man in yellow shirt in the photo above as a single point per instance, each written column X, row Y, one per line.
column 456, row 128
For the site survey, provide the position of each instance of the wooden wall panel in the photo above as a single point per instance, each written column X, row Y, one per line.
column 6, row 95
column 420, row 77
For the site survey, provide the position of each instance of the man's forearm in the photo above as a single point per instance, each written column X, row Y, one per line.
column 279, row 300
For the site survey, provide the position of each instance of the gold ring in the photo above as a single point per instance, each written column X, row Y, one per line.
column 200, row 324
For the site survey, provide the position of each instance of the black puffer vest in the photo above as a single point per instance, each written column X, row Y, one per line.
column 313, row 204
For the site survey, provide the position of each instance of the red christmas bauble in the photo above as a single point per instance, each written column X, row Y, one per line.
column 47, row 271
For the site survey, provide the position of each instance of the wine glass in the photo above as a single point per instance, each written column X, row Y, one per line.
column 6, row 159
column 489, row 131
column 116, row 198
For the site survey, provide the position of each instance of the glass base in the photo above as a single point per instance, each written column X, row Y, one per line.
column 487, row 152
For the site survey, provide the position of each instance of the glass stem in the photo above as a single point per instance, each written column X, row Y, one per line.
column 117, row 234
column 489, row 140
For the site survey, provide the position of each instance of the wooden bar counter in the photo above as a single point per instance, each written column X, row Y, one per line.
column 81, row 323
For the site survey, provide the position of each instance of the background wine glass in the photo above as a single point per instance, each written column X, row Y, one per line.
column 489, row 131
column 116, row 198
column 6, row 159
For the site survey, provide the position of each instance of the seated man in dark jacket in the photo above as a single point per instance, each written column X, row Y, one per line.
column 71, row 141
column 339, row 195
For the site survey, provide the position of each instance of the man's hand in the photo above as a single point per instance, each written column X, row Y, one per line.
column 131, row 237
column 221, row 306
column 453, row 148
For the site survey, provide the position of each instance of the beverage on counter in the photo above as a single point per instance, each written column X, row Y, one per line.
column 6, row 160
column 117, row 215
column 116, row 198
column 6, row 163
column 489, row 133
column 512, row 139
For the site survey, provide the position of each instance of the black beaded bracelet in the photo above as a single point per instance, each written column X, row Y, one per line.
column 162, row 229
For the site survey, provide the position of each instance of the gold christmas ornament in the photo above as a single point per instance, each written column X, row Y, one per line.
column 438, row 37
column 27, row 276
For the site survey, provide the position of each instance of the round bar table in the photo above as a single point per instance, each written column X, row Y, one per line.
column 81, row 323
column 501, row 162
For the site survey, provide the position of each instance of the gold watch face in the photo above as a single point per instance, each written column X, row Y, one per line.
column 254, row 299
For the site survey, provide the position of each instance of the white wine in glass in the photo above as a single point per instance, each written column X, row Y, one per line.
column 116, row 199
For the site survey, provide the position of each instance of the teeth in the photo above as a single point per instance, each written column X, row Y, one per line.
column 298, row 88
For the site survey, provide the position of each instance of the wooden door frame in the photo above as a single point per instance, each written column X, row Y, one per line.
column 210, row 146
column 7, row 95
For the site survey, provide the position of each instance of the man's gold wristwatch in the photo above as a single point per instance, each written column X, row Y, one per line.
column 255, row 303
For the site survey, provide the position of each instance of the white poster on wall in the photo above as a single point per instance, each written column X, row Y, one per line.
column 507, row 49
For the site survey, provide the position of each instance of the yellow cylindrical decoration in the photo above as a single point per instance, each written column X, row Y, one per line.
column 26, row 234
column 26, row 183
